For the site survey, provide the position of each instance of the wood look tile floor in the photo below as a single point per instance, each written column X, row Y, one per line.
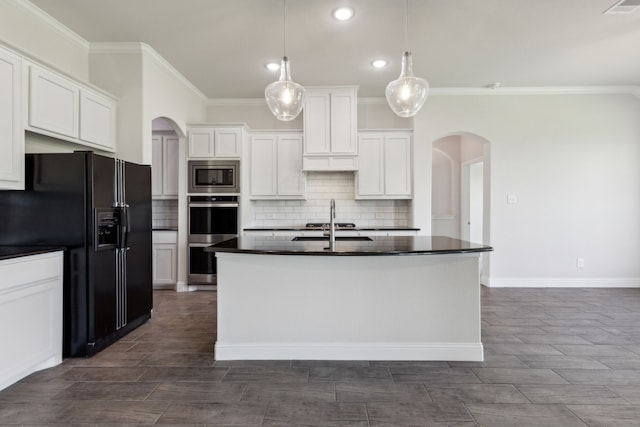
column 553, row 357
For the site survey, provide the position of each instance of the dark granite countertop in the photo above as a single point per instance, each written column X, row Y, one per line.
column 387, row 245
column 9, row 252
column 164, row 229
column 304, row 228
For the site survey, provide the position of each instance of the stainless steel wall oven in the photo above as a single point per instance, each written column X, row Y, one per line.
column 211, row 219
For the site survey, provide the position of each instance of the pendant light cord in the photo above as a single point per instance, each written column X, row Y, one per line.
column 284, row 31
column 406, row 27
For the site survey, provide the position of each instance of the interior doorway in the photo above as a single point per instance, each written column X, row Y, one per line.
column 473, row 201
column 461, row 190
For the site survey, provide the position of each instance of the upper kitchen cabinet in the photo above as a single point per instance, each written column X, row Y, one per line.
column 330, row 128
column 276, row 166
column 62, row 108
column 164, row 166
column 385, row 165
column 11, row 131
column 215, row 142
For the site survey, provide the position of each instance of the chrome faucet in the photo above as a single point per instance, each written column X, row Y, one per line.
column 332, row 224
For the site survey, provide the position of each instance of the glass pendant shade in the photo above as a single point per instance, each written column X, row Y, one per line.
column 407, row 94
column 284, row 97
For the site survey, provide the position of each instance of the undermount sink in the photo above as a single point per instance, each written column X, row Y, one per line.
column 326, row 238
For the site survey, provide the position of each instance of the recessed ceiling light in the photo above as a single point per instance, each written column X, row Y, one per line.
column 379, row 63
column 272, row 66
column 343, row 13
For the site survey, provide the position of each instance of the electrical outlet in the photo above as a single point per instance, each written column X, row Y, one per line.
column 379, row 215
column 580, row 263
column 271, row 216
column 512, row 199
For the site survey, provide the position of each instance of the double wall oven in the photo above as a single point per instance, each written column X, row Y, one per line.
column 212, row 214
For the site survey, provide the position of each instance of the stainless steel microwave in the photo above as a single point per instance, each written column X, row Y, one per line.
column 214, row 176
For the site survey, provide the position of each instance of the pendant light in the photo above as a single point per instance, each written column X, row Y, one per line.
column 407, row 94
column 284, row 97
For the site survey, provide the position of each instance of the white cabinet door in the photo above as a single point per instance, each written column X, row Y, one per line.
column 343, row 122
column 164, row 264
column 97, row 120
column 164, row 166
column 228, row 143
column 11, row 130
column 170, row 156
column 263, row 166
column 317, row 122
column 30, row 315
column 53, row 103
column 397, row 170
column 290, row 180
column 384, row 166
column 370, row 177
column 156, row 166
column 201, row 143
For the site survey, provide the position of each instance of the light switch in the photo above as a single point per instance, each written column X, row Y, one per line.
column 512, row 199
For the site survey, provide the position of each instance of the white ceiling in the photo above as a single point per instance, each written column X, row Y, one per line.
column 222, row 45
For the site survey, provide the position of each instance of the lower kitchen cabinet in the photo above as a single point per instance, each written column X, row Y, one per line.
column 165, row 259
column 384, row 165
column 276, row 166
column 30, row 315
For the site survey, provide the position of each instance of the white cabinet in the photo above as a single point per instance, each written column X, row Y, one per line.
column 164, row 166
column 330, row 128
column 54, row 103
column 276, row 166
column 97, row 120
column 30, row 315
column 62, row 108
column 215, row 142
column 165, row 259
column 11, row 130
column 384, row 165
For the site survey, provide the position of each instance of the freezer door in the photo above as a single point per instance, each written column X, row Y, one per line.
column 139, row 287
column 101, row 289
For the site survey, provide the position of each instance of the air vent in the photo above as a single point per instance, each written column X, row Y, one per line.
column 624, row 6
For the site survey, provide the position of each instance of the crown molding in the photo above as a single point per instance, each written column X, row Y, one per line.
column 53, row 23
column 217, row 102
column 143, row 48
column 469, row 91
column 541, row 90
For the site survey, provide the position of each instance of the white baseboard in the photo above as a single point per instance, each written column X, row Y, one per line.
column 338, row 351
column 562, row 282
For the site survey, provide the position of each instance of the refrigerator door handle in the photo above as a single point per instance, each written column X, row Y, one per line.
column 125, row 226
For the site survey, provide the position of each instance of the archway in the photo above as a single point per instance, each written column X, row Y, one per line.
column 168, row 207
column 461, row 189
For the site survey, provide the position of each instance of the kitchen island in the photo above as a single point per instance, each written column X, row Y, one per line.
column 378, row 298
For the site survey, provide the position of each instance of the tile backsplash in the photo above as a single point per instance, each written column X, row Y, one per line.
column 164, row 214
column 321, row 188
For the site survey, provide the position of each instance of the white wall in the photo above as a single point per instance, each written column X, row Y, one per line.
column 253, row 112
column 147, row 87
column 572, row 161
column 29, row 29
column 118, row 70
column 166, row 93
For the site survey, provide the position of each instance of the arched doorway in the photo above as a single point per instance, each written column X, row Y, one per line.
column 461, row 189
column 168, row 208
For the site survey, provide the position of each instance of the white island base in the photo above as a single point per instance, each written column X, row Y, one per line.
column 393, row 307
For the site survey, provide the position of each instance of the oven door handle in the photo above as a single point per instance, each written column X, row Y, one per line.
column 213, row 205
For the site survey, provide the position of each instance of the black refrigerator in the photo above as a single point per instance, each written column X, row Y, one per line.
column 99, row 208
